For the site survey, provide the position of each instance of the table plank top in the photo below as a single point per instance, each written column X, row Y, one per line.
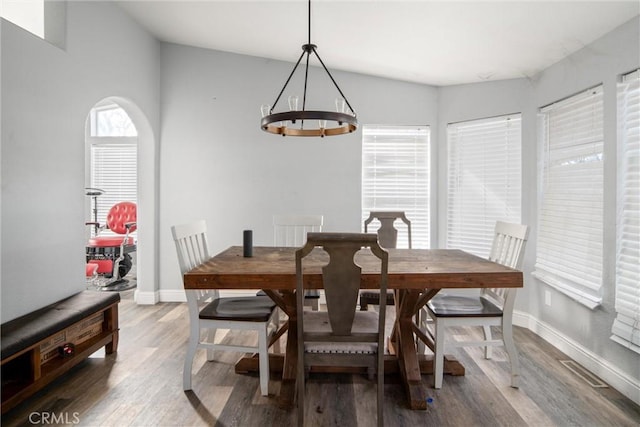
column 274, row 268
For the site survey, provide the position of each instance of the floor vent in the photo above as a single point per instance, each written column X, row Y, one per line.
column 591, row 379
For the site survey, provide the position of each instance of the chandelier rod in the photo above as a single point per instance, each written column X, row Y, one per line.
column 304, row 94
column 333, row 80
column 287, row 82
column 305, row 49
column 309, row 21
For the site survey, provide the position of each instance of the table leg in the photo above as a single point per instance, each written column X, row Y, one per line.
column 404, row 339
column 288, row 385
column 287, row 302
column 405, row 347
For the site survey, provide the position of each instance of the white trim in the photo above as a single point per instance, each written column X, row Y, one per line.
column 147, row 298
column 585, row 299
column 622, row 382
column 172, row 295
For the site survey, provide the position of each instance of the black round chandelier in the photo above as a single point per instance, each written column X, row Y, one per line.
column 302, row 122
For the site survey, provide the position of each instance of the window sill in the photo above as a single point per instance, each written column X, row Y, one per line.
column 589, row 301
column 626, row 332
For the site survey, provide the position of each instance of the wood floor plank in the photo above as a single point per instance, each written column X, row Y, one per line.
column 526, row 407
column 141, row 385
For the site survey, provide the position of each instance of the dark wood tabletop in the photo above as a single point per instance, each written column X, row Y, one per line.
column 274, row 268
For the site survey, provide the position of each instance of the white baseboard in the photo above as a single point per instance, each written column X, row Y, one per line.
column 146, row 298
column 172, row 295
column 622, row 382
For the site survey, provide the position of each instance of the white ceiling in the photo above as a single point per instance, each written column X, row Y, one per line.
column 433, row 42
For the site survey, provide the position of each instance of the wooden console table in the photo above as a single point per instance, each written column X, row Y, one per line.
column 41, row 346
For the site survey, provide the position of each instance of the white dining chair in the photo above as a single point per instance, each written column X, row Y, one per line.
column 493, row 307
column 291, row 230
column 208, row 312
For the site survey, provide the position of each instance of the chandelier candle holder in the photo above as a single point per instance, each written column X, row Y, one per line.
column 302, row 122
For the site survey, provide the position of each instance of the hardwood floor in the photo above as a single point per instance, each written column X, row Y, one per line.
column 141, row 385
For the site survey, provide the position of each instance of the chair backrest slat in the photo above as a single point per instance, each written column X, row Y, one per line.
column 508, row 244
column 341, row 277
column 387, row 233
column 291, row 230
column 507, row 249
column 192, row 249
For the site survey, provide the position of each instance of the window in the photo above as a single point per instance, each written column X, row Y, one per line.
column 45, row 19
column 570, row 228
column 395, row 176
column 111, row 120
column 626, row 327
column 28, row 14
column 113, row 157
column 484, row 180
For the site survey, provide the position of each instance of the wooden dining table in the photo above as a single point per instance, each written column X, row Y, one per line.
column 415, row 275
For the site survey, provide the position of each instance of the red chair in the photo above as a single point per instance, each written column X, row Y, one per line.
column 111, row 253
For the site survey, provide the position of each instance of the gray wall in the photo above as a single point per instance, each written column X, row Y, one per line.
column 566, row 323
column 599, row 63
column 218, row 165
column 47, row 93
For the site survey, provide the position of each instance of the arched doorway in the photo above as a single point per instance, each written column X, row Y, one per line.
column 124, row 111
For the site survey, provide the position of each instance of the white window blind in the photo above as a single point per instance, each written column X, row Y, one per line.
column 570, row 229
column 626, row 326
column 114, row 158
column 395, row 176
column 484, row 180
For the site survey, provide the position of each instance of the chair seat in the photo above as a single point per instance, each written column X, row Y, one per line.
column 108, row 241
column 318, row 322
column 249, row 309
column 461, row 306
column 105, row 266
